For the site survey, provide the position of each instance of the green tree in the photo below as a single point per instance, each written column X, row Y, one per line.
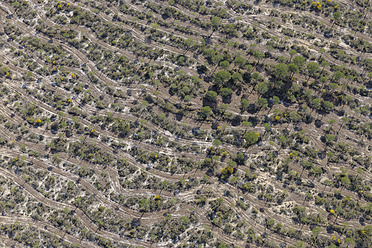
column 262, row 103
column 327, row 106
column 240, row 158
column 333, row 86
column 276, row 100
column 323, row 80
column 244, row 104
column 247, row 125
column 269, row 223
column 216, row 23
column 336, row 18
column 316, row 231
column 187, row 98
column 329, row 138
column 188, row 43
column 217, row 59
column 217, row 142
column 316, row 103
column 293, row 69
column 267, row 128
column 299, row 61
column 225, row 64
column 370, row 76
column 206, row 112
column 261, row 88
column 281, row 71
column 211, row 96
column 337, row 76
column 209, row 54
column 313, row 69
column 258, row 56
column 223, row 108
column 251, row 138
column 222, row 76
column 292, row 53
column 350, row 242
column 237, row 77
column 240, row 61
column 324, row 65
column 345, row 181
column 226, row 92
column 294, row 116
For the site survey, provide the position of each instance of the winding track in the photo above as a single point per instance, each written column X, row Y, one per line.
column 166, row 176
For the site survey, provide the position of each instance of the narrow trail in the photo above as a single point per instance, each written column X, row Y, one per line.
column 158, row 180
column 58, row 205
column 45, row 227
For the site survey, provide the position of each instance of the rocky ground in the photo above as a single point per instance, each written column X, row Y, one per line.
column 185, row 123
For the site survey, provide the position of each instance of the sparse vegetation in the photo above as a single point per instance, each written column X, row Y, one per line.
column 185, row 123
